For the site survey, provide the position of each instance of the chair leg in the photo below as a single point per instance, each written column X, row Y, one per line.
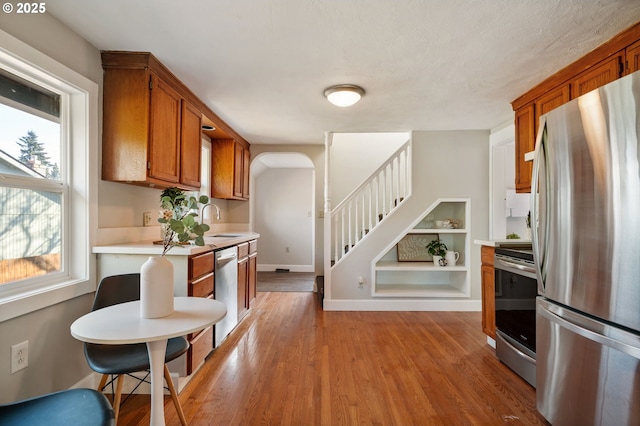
column 174, row 395
column 117, row 397
column 103, row 381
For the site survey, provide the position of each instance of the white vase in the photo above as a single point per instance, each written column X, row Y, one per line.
column 156, row 288
column 452, row 257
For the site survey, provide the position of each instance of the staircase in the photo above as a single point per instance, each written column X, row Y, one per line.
column 370, row 203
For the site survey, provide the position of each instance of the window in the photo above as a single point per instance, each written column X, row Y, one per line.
column 33, row 188
column 48, row 135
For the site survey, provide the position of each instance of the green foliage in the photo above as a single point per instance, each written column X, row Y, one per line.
column 178, row 220
column 437, row 248
column 30, row 148
column 513, row 236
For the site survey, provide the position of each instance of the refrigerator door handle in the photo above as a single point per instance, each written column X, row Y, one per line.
column 591, row 335
column 535, row 243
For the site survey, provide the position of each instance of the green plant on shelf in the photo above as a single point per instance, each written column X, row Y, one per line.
column 437, row 248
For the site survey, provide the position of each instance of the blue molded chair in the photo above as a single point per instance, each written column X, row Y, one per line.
column 78, row 407
column 123, row 360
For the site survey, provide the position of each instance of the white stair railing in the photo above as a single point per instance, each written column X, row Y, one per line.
column 371, row 202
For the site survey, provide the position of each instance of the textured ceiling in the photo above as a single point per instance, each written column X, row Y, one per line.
column 262, row 65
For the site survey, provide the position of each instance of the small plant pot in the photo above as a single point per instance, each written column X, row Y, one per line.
column 439, row 261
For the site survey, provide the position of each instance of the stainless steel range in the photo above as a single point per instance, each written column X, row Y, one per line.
column 515, row 294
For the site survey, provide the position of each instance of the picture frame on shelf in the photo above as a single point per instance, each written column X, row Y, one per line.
column 413, row 247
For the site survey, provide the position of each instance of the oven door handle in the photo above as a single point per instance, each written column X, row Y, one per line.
column 514, row 268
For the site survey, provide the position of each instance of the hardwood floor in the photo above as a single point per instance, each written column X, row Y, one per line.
column 290, row 363
column 285, row 281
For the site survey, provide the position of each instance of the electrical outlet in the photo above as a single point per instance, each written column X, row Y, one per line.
column 146, row 219
column 286, row 249
column 19, row 356
column 360, row 281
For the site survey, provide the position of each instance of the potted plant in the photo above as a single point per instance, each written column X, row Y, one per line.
column 179, row 226
column 178, row 219
column 437, row 249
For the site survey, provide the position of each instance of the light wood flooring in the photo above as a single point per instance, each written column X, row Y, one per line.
column 285, row 281
column 290, row 363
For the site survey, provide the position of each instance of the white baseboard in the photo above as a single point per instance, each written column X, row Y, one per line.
column 291, row 268
column 402, row 305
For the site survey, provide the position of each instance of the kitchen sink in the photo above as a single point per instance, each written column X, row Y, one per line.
column 227, row 235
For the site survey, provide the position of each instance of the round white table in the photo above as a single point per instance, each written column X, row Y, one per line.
column 122, row 324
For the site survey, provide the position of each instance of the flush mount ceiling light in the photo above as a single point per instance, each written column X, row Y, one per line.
column 207, row 127
column 344, row 95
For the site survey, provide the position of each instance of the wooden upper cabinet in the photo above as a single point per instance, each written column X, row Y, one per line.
column 151, row 133
column 190, row 145
column 164, row 128
column 598, row 76
column 237, row 170
column 229, row 170
column 525, row 142
column 606, row 63
column 242, row 159
column 633, row 58
column 552, row 100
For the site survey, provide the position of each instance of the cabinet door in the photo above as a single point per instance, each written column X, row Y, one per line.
column 252, row 279
column 488, row 301
column 633, row 58
column 228, row 170
column 551, row 100
column 246, row 160
column 243, row 275
column 601, row 74
column 238, row 162
column 190, row 145
column 164, row 134
column 525, row 142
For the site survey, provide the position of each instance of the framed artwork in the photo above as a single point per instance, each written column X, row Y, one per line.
column 412, row 247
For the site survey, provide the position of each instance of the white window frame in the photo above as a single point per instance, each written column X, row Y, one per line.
column 81, row 159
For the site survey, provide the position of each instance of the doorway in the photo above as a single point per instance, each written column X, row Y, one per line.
column 282, row 206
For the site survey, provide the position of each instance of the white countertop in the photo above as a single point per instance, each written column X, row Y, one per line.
column 214, row 241
column 503, row 242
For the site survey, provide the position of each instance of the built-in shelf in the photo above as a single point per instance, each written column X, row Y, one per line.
column 412, row 273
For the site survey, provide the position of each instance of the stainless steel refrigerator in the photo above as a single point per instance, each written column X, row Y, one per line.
column 586, row 208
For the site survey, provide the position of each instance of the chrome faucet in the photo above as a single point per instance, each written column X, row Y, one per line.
column 217, row 210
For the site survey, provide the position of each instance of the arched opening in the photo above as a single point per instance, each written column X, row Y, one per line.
column 282, row 206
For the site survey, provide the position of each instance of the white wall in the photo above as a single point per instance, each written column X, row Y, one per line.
column 453, row 164
column 355, row 156
column 283, row 200
column 503, row 174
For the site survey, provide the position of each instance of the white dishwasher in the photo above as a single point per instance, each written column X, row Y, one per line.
column 226, row 290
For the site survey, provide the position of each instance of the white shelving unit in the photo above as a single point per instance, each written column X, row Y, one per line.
column 413, row 274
